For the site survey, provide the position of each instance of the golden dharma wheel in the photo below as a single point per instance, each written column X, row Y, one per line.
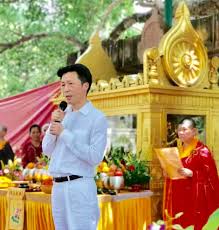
column 183, row 53
column 184, row 63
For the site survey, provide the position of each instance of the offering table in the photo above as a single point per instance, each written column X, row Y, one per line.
column 124, row 211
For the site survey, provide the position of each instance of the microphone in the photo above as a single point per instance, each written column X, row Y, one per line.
column 62, row 106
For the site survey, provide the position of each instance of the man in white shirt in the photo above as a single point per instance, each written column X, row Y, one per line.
column 75, row 141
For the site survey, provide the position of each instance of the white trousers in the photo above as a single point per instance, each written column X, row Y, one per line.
column 75, row 205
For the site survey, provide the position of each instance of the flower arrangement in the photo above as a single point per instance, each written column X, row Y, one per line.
column 13, row 170
column 137, row 171
column 43, row 162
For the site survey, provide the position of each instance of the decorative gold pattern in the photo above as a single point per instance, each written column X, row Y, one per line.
column 184, row 55
column 102, row 85
column 115, row 83
column 132, row 80
column 153, row 56
column 186, row 65
column 213, row 72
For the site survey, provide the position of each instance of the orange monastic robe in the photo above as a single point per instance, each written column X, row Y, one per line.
column 197, row 196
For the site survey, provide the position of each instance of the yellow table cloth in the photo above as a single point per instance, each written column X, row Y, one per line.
column 125, row 211
column 3, row 210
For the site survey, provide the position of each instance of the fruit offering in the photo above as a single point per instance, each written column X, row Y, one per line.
column 47, row 181
column 4, row 181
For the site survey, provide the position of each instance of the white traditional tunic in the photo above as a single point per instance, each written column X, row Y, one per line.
column 76, row 151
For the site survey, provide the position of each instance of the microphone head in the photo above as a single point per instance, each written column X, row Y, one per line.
column 63, row 105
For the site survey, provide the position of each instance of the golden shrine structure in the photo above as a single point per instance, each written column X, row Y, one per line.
column 178, row 79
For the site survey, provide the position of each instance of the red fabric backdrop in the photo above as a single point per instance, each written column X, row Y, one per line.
column 19, row 112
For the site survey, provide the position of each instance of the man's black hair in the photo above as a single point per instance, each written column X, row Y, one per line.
column 83, row 72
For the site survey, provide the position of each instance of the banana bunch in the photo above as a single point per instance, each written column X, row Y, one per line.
column 4, row 181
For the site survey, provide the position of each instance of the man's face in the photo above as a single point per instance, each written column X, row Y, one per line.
column 72, row 88
column 186, row 132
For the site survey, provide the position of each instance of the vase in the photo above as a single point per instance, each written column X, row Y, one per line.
column 136, row 187
column 116, row 182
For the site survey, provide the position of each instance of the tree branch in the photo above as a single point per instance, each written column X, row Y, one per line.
column 128, row 22
column 107, row 12
column 23, row 39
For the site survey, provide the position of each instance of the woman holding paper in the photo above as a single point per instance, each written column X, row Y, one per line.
column 197, row 194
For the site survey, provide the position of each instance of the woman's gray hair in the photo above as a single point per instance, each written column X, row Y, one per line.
column 3, row 128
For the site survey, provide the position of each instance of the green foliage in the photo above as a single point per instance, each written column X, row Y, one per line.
column 34, row 63
column 116, row 156
column 137, row 171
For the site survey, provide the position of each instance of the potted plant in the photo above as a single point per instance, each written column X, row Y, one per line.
column 136, row 174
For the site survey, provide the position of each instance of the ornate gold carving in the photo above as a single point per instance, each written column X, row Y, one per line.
column 93, row 87
column 115, row 83
column 153, row 56
column 213, row 72
column 153, row 70
column 102, row 85
column 132, row 80
column 184, row 56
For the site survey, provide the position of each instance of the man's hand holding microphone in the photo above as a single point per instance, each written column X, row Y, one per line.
column 57, row 116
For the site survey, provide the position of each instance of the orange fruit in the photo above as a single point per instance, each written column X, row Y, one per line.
column 30, row 165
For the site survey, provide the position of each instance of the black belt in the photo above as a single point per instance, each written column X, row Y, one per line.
column 66, row 178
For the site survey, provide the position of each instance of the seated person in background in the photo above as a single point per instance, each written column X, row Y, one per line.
column 32, row 148
column 6, row 152
column 197, row 194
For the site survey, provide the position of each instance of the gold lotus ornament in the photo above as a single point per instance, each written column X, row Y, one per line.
column 183, row 53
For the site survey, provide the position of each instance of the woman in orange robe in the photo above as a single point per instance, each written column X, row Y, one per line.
column 197, row 196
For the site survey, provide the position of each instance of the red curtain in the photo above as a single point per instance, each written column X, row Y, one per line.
column 19, row 112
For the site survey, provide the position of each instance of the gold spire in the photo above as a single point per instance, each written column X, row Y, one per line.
column 96, row 59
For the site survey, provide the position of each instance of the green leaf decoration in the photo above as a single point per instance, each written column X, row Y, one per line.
column 190, row 228
column 178, row 215
column 177, row 227
column 160, row 222
column 213, row 221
